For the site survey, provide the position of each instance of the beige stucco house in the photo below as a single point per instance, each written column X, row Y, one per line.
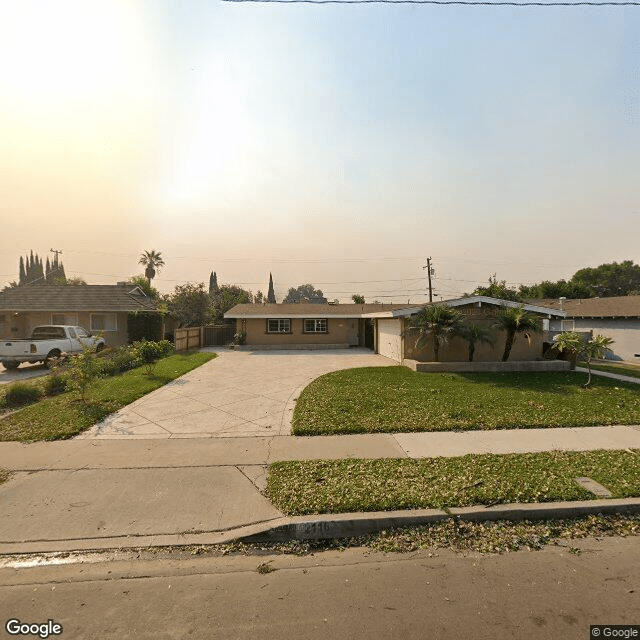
column 104, row 309
column 385, row 328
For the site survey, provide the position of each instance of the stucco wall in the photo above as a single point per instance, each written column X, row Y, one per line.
column 457, row 350
column 625, row 332
column 340, row 331
column 25, row 322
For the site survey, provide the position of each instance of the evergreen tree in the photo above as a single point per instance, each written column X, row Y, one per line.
column 23, row 274
column 47, row 272
column 271, row 295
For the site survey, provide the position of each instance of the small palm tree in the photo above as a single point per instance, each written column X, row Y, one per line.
column 152, row 260
column 571, row 343
column 515, row 320
column 438, row 321
column 476, row 334
column 595, row 348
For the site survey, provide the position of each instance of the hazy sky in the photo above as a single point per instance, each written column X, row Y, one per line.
column 334, row 144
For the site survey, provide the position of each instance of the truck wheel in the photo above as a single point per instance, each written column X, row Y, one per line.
column 99, row 347
column 10, row 365
column 52, row 357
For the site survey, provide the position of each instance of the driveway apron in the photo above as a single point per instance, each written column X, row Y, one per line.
column 239, row 393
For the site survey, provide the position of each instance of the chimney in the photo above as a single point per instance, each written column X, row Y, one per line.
column 562, row 299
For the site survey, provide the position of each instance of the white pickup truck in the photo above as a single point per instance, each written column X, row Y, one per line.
column 46, row 344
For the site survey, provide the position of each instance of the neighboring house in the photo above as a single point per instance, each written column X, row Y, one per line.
column 385, row 328
column 104, row 309
column 617, row 317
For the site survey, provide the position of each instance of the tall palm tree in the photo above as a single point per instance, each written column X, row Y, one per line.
column 476, row 334
column 515, row 320
column 439, row 321
column 152, row 260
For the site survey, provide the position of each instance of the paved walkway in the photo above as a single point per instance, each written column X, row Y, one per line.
column 606, row 374
column 239, row 393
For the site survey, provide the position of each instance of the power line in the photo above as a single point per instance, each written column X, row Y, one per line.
column 444, row 2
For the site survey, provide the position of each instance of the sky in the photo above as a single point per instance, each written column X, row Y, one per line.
column 338, row 145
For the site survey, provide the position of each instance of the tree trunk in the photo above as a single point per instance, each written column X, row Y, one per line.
column 472, row 349
column 507, row 346
column 436, row 348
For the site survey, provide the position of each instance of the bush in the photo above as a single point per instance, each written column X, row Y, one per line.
column 55, row 384
column 240, row 338
column 19, row 394
column 119, row 361
column 82, row 370
column 150, row 352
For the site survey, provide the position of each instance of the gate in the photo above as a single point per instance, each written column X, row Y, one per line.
column 219, row 335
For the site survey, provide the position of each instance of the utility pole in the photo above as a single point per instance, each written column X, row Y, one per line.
column 430, row 272
column 56, row 251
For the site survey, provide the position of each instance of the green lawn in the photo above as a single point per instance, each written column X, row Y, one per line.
column 623, row 370
column 351, row 485
column 392, row 399
column 64, row 416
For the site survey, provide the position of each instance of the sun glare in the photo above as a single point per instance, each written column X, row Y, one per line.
column 59, row 52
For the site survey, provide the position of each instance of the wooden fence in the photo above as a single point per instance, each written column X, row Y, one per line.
column 188, row 338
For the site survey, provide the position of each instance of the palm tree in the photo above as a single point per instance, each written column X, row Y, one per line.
column 152, row 260
column 595, row 348
column 516, row 320
column 439, row 321
column 476, row 334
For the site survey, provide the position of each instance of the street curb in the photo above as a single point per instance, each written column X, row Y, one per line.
column 328, row 526
column 348, row 525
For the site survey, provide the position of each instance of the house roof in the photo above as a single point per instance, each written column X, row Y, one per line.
column 246, row 311
column 479, row 301
column 613, row 307
column 281, row 310
column 91, row 297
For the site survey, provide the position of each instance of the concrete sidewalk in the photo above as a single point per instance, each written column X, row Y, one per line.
column 92, row 494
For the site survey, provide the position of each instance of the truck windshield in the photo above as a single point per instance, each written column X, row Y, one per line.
column 48, row 333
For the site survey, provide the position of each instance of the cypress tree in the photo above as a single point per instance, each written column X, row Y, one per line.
column 47, row 272
column 271, row 295
column 215, row 281
column 23, row 274
column 211, row 283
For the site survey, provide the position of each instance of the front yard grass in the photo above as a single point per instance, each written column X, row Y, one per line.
column 396, row 399
column 352, row 485
column 623, row 370
column 64, row 416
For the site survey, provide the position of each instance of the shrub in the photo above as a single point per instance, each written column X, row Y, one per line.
column 120, row 360
column 150, row 352
column 240, row 337
column 82, row 370
column 56, row 384
column 19, row 394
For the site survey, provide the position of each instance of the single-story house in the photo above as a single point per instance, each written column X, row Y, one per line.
column 110, row 310
column 617, row 317
column 385, row 328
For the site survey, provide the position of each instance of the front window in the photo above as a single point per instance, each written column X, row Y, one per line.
column 315, row 325
column 64, row 318
column 103, row 322
column 279, row 325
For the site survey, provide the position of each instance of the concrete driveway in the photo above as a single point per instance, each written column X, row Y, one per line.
column 239, row 393
column 23, row 372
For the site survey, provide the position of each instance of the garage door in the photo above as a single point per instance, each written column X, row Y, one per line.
column 389, row 339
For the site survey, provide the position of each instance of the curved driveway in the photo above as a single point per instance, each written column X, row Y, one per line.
column 239, row 393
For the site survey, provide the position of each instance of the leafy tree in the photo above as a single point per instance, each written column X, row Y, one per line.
column 152, row 260
column 227, row 296
column 259, row 298
column 613, row 279
column 190, row 305
column 76, row 281
column 305, row 293
column 476, row 334
column 515, row 320
column 438, row 321
column 357, row 299
column 271, row 294
column 573, row 344
column 498, row 290
column 143, row 283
